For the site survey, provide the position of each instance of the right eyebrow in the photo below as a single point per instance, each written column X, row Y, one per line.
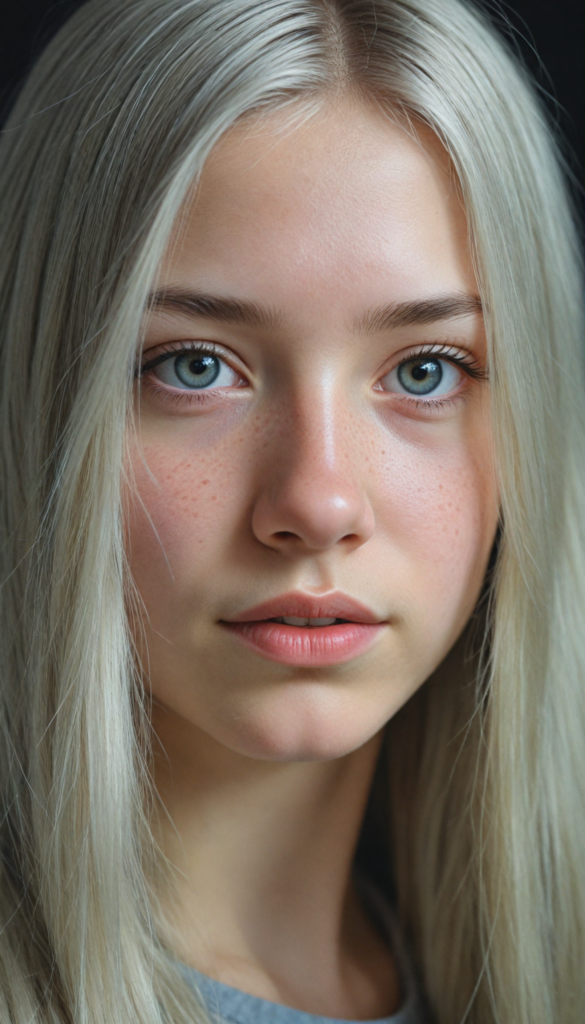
column 419, row 311
column 215, row 307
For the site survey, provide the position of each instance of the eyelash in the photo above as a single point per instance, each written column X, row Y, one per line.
column 173, row 348
column 463, row 361
column 444, row 350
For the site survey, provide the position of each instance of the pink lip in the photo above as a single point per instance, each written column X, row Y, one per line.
column 305, row 646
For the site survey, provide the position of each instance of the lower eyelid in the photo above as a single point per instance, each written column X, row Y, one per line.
column 183, row 396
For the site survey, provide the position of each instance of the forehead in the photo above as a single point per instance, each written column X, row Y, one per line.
column 343, row 198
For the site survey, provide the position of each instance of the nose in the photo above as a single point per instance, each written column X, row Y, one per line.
column 311, row 495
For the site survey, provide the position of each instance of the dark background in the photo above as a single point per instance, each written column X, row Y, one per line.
column 549, row 35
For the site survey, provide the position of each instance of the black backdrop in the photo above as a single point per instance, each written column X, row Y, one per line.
column 548, row 34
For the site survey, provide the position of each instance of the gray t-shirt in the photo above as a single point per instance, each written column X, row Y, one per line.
column 227, row 1004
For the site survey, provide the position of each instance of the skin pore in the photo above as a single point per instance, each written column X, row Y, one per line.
column 310, row 466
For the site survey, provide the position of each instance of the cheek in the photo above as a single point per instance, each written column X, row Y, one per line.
column 438, row 511
column 180, row 516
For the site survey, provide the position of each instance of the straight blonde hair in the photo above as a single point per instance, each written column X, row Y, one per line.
column 487, row 763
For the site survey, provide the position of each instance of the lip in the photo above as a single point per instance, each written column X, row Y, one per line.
column 306, row 646
column 330, row 606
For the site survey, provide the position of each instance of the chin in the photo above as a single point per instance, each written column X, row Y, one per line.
column 304, row 729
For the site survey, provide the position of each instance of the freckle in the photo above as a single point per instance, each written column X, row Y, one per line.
column 204, row 483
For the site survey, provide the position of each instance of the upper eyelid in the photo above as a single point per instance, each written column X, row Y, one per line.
column 438, row 348
column 168, row 349
column 456, row 354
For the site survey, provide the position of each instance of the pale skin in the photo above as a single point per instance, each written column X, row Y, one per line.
column 305, row 468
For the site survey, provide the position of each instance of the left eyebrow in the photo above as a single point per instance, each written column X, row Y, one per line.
column 421, row 311
column 222, row 309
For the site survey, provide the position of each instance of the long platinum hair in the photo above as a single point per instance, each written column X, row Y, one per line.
column 487, row 768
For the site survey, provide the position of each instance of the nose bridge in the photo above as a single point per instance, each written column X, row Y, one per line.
column 314, row 425
column 312, row 493
column 317, row 453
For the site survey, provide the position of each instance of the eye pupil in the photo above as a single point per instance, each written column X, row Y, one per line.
column 419, row 372
column 198, row 366
column 420, row 376
column 197, row 371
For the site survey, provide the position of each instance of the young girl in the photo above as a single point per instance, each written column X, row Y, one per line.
column 292, row 524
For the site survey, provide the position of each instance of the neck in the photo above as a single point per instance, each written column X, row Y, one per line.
column 262, row 853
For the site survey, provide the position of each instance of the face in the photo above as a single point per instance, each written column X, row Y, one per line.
column 314, row 500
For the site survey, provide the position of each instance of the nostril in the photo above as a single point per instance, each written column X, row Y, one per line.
column 285, row 534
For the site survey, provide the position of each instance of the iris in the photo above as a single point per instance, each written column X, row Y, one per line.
column 421, row 375
column 196, row 370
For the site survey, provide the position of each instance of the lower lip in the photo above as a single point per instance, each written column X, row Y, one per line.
column 306, row 647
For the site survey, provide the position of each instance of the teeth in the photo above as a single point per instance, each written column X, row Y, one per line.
column 295, row 620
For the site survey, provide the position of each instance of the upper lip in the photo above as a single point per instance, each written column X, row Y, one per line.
column 328, row 606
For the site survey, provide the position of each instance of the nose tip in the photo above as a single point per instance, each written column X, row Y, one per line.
column 313, row 515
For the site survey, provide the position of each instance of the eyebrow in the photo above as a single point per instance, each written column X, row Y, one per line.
column 215, row 307
column 421, row 311
column 252, row 314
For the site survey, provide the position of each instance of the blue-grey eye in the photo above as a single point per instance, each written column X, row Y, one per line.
column 420, row 376
column 423, row 376
column 195, row 371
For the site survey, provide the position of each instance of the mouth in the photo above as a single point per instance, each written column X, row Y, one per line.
column 306, row 631
column 307, row 623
